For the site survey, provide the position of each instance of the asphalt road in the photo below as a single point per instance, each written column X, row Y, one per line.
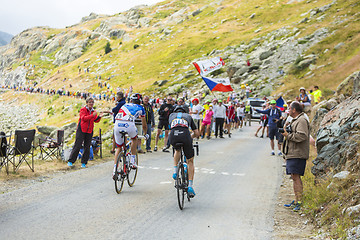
column 236, row 182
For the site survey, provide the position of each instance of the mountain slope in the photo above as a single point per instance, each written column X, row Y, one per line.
column 152, row 44
column 5, row 38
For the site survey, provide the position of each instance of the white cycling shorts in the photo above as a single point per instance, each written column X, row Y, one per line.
column 126, row 126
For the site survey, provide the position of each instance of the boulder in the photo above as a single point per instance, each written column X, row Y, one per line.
column 47, row 130
column 265, row 55
column 162, row 83
column 351, row 85
column 353, row 210
column 117, row 33
column 342, row 175
column 353, row 233
column 337, row 139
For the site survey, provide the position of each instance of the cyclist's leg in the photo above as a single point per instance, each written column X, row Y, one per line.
column 191, row 168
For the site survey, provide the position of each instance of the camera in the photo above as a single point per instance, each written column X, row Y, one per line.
column 288, row 129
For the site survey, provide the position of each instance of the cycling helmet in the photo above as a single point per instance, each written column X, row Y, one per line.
column 136, row 98
column 180, row 108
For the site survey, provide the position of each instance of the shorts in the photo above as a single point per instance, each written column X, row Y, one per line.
column 295, row 166
column 182, row 135
column 281, row 138
column 126, row 126
column 273, row 132
column 163, row 123
column 139, row 128
column 241, row 118
column 205, row 123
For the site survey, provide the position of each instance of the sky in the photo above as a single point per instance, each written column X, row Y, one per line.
column 18, row 15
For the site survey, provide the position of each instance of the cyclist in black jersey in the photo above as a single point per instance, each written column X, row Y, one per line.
column 180, row 122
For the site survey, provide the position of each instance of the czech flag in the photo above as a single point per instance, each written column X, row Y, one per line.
column 219, row 84
column 280, row 103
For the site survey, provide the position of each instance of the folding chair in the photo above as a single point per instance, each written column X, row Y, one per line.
column 51, row 148
column 22, row 149
column 3, row 150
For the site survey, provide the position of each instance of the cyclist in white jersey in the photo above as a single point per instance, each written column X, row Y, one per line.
column 125, row 121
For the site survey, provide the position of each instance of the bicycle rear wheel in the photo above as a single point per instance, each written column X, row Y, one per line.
column 133, row 173
column 180, row 181
column 119, row 177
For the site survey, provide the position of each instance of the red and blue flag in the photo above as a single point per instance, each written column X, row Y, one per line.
column 219, row 84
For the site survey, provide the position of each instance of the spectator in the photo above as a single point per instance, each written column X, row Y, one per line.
column 120, row 101
column 274, row 115
column 303, row 98
column 296, row 150
column 195, row 112
column 150, row 121
column 317, row 94
column 219, row 115
column 164, row 113
column 84, row 132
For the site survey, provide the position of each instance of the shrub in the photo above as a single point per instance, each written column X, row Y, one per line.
column 107, row 48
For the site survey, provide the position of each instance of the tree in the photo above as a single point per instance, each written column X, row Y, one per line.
column 107, row 48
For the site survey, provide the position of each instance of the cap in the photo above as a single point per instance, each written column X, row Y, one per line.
column 285, row 105
column 195, row 99
column 272, row 102
column 220, row 101
column 302, row 88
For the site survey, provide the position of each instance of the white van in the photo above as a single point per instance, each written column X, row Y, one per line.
column 255, row 103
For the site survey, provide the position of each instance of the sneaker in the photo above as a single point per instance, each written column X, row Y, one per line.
column 280, row 154
column 297, row 207
column 191, row 192
column 174, row 176
column 70, row 164
column 229, row 135
column 272, row 153
column 83, row 165
column 141, row 151
column 221, row 137
column 155, row 148
column 292, row 204
column 262, row 136
column 165, row 149
column 148, row 150
column 208, row 137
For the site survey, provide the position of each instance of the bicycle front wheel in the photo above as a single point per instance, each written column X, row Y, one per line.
column 133, row 173
column 180, row 182
column 119, row 173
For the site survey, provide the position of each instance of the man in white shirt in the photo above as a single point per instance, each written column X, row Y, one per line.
column 195, row 112
column 219, row 115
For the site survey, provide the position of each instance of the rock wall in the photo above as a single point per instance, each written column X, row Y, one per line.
column 338, row 137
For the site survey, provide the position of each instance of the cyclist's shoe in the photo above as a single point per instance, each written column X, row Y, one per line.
column 114, row 176
column 83, row 165
column 191, row 192
column 174, row 176
column 70, row 164
column 292, row 204
column 155, row 148
column 133, row 165
column 297, row 207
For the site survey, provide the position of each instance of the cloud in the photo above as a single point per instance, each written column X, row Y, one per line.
column 18, row 15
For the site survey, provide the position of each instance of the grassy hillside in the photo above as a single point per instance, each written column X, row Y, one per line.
column 197, row 36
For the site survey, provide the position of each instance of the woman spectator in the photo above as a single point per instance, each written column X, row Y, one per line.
column 304, row 98
column 84, row 132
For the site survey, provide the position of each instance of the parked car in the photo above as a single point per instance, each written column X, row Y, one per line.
column 255, row 103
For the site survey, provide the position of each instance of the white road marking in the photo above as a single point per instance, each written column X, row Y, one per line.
column 197, row 170
column 239, row 174
column 219, row 152
column 166, row 182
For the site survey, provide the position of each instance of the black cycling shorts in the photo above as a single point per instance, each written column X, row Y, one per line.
column 163, row 123
column 182, row 135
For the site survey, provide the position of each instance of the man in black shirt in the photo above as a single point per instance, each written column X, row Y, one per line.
column 150, row 121
column 164, row 113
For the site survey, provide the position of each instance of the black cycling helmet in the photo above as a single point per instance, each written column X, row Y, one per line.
column 136, row 98
column 180, row 108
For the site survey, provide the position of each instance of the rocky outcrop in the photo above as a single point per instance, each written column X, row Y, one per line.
column 338, row 138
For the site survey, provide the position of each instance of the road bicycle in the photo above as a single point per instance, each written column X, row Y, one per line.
column 182, row 178
column 123, row 168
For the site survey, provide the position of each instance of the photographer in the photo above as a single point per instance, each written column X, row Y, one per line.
column 296, row 149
